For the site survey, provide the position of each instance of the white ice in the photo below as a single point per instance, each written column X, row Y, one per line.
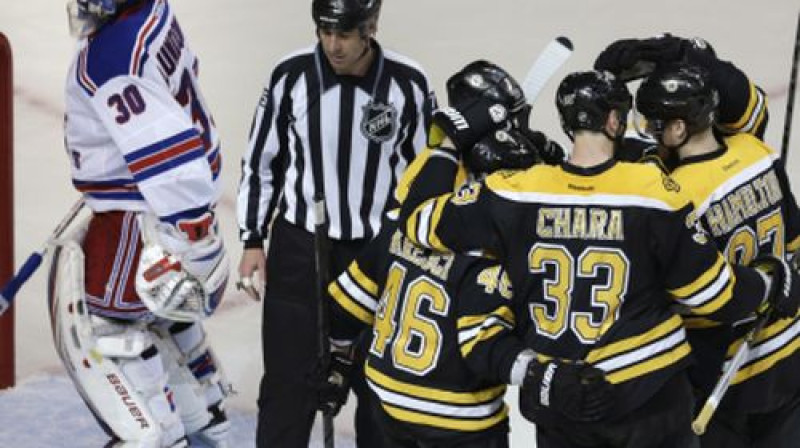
column 238, row 42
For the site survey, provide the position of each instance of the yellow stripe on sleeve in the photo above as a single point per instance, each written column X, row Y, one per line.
column 701, row 282
column 444, row 422
column 351, row 306
column 362, row 279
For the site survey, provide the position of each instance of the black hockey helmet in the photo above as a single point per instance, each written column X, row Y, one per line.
column 678, row 91
column 343, row 15
column 584, row 100
column 505, row 149
column 484, row 79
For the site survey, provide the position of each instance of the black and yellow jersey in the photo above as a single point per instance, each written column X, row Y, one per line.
column 744, row 201
column 742, row 109
column 442, row 345
column 598, row 258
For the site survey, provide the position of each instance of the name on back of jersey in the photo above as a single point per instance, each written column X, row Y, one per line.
column 437, row 264
column 584, row 223
column 744, row 202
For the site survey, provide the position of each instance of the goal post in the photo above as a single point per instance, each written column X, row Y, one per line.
column 7, row 367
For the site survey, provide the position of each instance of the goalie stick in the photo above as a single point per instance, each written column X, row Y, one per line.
column 787, row 121
column 553, row 57
column 30, row 266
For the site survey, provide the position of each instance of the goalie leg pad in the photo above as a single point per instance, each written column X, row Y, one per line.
column 128, row 393
column 197, row 374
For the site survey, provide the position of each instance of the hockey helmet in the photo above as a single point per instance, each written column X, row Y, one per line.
column 584, row 100
column 343, row 15
column 482, row 78
column 677, row 91
column 86, row 16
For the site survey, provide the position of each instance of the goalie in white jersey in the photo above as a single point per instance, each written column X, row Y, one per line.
column 131, row 287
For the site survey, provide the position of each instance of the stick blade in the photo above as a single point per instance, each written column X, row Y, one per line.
column 553, row 57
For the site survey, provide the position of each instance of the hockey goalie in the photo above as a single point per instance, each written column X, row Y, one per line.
column 130, row 287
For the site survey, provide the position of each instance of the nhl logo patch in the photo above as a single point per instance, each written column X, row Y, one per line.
column 379, row 121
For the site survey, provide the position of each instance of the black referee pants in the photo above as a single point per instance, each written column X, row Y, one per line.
column 287, row 401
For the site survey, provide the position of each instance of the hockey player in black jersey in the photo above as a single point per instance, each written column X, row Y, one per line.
column 442, row 349
column 742, row 104
column 744, row 201
column 600, row 252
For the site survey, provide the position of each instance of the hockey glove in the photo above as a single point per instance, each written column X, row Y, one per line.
column 579, row 392
column 333, row 386
column 549, row 151
column 466, row 123
column 501, row 149
column 631, row 59
column 783, row 297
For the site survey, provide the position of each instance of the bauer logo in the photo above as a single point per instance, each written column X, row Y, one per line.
column 379, row 121
column 128, row 401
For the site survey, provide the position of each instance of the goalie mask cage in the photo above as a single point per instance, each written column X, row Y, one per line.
column 7, row 370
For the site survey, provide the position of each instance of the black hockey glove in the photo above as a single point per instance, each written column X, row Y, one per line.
column 580, row 392
column 466, row 123
column 783, row 298
column 550, row 152
column 631, row 59
column 501, row 150
column 333, row 386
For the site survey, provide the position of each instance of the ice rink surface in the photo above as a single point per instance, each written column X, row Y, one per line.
column 238, row 42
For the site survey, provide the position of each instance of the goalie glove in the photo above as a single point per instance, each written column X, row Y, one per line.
column 183, row 269
column 577, row 391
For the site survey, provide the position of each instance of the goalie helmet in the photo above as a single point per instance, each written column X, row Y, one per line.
column 675, row 92
column 584, row 100
column 343, row 15
column 482, row 78
column 87, row 16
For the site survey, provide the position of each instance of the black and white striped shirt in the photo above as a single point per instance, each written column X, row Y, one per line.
column 363, row 130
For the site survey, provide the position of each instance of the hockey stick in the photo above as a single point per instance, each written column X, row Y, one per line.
column 322, row 264
column 787, row 121
column 700, row 423
column 30, row 266
column 553, row 57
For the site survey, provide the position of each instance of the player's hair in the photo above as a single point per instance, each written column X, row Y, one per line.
column 585, row 99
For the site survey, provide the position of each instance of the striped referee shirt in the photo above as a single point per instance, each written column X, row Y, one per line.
column 354, row 136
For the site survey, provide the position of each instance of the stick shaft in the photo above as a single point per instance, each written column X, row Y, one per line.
column 32, row 263
column 322, row 261
column 787, row 122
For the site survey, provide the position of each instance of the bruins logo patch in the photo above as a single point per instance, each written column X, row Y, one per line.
column 467, row 194
column 669, row 183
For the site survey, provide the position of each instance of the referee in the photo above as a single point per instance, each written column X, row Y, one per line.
column 343, row 117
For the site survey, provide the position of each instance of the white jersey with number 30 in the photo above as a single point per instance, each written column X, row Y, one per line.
column 138, row 133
